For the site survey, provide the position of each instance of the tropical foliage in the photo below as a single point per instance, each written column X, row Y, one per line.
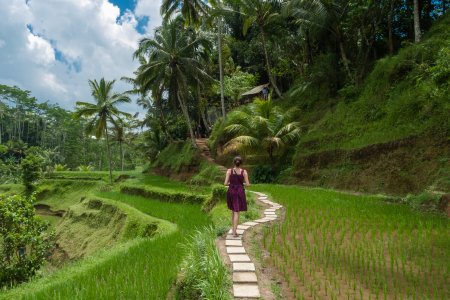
column 261, row 127
column 24, row 240
column 104, row 112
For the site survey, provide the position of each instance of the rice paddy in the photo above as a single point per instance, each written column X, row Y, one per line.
column 139, row 269
column 338, row 246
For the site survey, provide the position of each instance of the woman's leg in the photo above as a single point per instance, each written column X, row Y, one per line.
column 235, row 221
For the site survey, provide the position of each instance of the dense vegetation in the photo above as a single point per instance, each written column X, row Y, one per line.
column 358, row 100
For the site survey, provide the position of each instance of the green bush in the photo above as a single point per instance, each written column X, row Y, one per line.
column 209, row 173
column 424, row 202
column 60, row 168
column 178, row 157
column 218, row 193
column 24, row 241
column 31, row 171
column 262, row 174
column 162, row 194
column 204, row 275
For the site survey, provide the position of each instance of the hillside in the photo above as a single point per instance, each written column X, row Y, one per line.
column 393, row 136
column 390, row 135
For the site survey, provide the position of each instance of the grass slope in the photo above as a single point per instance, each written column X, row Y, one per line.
column 391, row 135
column 141, row 268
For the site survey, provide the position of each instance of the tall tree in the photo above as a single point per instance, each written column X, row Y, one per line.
column 102, row 112
column 193, row 11
column 417, row 32
column 261, row 12
column 173, row 63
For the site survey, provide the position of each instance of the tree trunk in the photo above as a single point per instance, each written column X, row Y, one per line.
column 269, row 73
column 417, row 33
column 109, row 154
column 222, row 97
column 444, row 4
column 345, row 60
column 186, row 116
column 390, row 16
column 121, row 155
column 163, row 117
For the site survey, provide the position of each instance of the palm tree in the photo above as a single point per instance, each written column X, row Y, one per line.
column 191, row 10
column 325, row 14
column 261, row 128
column 118, row 135
column 261, row 12
column 145, row 100
column 104, row 111
column 173, row 63
column 417, row 33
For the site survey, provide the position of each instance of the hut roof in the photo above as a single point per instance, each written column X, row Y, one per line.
column 255, row 90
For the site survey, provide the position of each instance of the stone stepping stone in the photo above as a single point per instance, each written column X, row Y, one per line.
column 269, row 212
column 244, row 277
column 243, row 227
column 250, row 223
column 235, row 250
column 262, row 220
column 270, row 209
column 246, row 291
column 233, row 243
column 243, row 267
column 238, row 231
column 231, row 237
column 239, row 258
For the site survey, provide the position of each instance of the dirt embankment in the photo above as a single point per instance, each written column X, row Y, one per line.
column 398, row 167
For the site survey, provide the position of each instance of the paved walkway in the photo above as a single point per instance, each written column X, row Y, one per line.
column 245, row 282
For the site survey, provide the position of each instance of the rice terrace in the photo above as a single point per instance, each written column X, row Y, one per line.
column 224, row 149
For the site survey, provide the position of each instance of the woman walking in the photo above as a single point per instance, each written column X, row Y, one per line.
column 236, row 178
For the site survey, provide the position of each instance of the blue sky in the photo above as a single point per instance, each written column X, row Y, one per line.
column 52, row 47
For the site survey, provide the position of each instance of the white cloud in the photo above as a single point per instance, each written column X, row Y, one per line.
column 151, row 9
column 68, row 42
column 40, row 50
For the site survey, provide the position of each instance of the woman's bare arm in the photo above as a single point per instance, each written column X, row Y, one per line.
column 246, row 182
column 227, row 178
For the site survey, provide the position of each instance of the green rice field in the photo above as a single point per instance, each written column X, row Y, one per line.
column 332, row 245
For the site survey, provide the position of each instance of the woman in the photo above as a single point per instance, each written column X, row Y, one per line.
column 236, row 179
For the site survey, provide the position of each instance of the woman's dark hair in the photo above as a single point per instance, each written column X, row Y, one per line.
column 237, row 161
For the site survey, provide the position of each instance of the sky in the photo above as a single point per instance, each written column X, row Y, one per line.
column 53, row 47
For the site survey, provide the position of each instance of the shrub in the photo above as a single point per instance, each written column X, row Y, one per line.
column 262, row 174
column 84, row 168
column 162, row 194
column 204, row 275
column 24, row 242
column 31, row 171
column 209, row 173
column 218, row 193
column 177, row 157
column 425, row 201
column 60, row 168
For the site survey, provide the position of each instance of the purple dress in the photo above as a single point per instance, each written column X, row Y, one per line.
column 236, row 193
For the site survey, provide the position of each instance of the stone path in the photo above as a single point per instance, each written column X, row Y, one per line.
column 245, row 282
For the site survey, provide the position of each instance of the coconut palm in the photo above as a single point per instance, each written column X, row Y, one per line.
column 261, row 127
column 261, row 13
column 323, row 14
column 118, row 136
column 102, row 112
column 173, row 63
column 191, row 10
